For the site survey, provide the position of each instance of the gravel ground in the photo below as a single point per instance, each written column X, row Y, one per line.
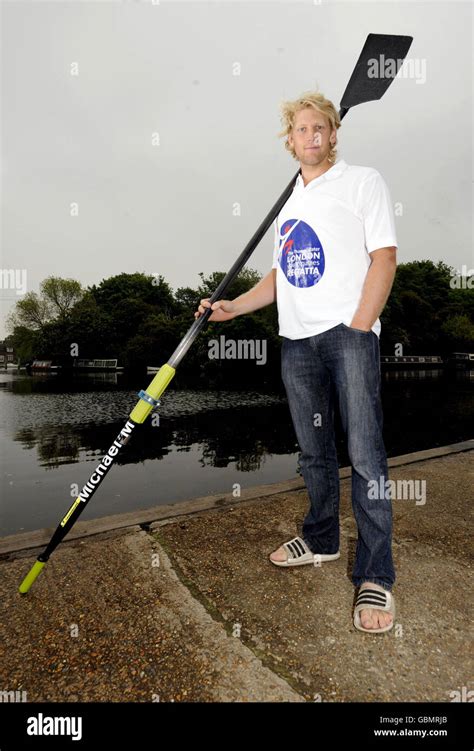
column 193, row 611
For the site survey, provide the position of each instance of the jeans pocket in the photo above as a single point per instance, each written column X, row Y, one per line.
column 358, row 331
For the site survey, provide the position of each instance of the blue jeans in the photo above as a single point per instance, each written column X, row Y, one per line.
column 342, row 363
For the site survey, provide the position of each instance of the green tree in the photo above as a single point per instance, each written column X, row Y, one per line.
column 23, row 342
column 61, row 295
column 421, row 302
column 31, row 312
column 56, row 300
column 91, row 329
column 245, row 280
column 112, row 293
column 460, row 332
column 187, row 299
column 138, row 319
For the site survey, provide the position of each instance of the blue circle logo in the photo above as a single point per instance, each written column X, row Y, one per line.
column 301, row 255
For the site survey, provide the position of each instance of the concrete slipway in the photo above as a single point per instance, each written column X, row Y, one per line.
column 180, row 603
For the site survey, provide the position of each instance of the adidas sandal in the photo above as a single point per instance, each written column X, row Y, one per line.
column 298, row 554
column 374, row 599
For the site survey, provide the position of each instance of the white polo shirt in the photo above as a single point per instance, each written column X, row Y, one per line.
column 323, row 239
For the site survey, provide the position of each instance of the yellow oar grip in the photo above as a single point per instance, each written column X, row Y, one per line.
column 33, row 574
column 141, row 411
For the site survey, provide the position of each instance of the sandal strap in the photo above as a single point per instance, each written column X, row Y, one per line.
column 296, row 548
column 374, row 599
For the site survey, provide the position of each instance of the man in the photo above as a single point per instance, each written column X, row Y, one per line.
column 333, row 267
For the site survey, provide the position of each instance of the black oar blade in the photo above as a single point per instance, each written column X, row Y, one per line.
column 377, row 66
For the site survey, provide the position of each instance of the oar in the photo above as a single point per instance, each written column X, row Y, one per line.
column 362, row 87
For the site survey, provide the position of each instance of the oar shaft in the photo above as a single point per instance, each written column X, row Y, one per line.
column 79, row 504
column 220, row 290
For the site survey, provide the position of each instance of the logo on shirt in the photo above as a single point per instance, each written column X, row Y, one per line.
column 301, row 255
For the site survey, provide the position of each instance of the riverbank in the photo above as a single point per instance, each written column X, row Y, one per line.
column 187, row 607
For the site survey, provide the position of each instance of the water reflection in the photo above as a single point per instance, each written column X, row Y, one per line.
column 78, row 424
column 205, row 440
column 406, row 375
column 241, row 435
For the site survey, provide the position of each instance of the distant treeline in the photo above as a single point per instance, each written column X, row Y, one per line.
column 140, row 320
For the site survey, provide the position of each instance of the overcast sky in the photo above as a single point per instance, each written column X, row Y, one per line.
column 157, row 140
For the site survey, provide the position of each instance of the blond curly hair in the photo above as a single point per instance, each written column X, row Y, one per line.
column 308, row 99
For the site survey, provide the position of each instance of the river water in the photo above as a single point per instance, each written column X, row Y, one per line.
column 53, row 432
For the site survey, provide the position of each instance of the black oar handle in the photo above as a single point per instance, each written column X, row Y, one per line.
column 200, row 322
